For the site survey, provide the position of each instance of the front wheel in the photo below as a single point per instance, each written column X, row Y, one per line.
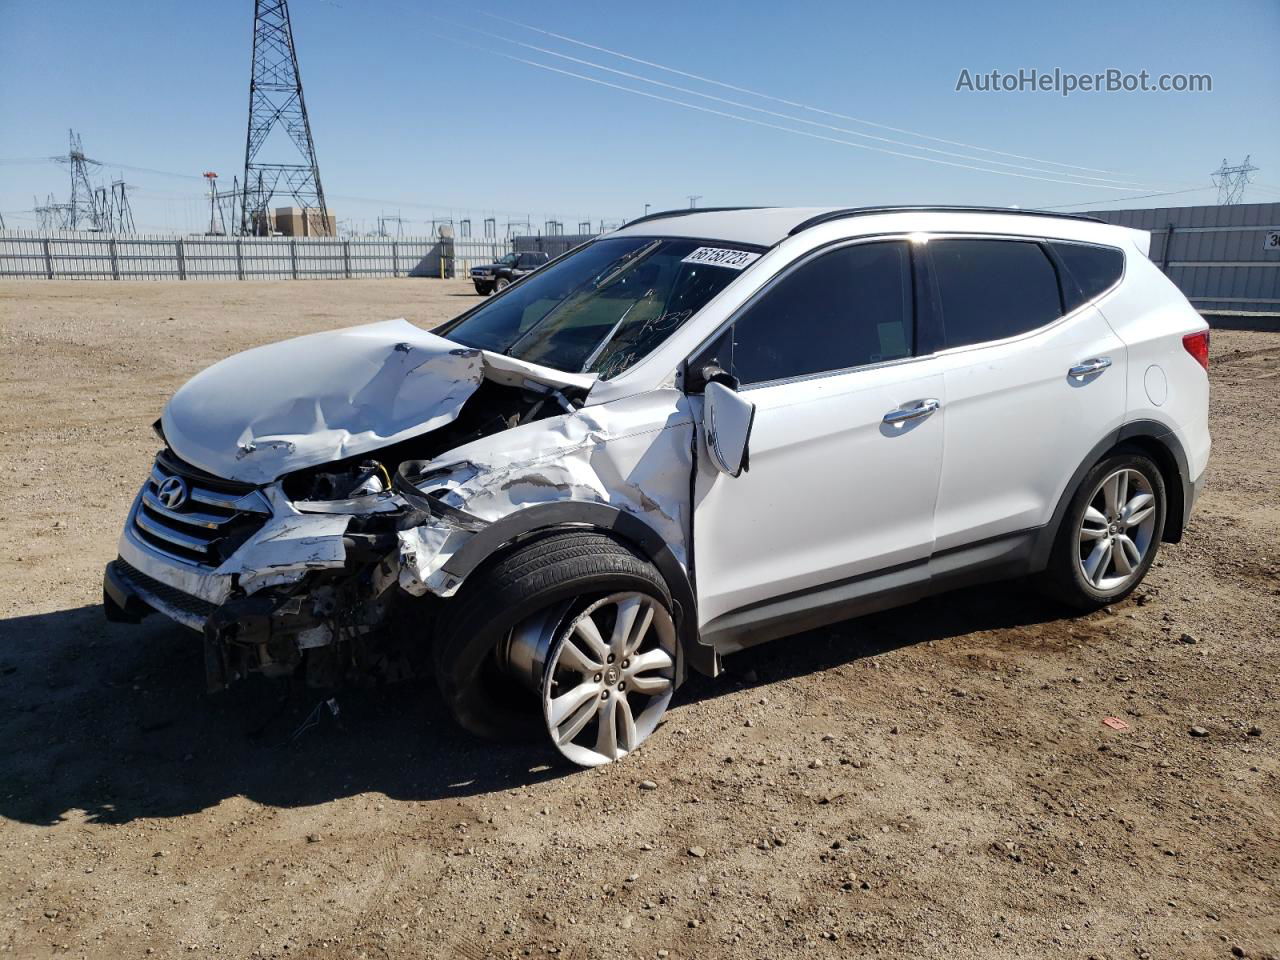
column 501, row 284
column 1110, row 534
column 574, row 623
column 483, row 289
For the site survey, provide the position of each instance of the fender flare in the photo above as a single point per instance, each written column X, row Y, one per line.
column 1169, row 455
column 568, row 514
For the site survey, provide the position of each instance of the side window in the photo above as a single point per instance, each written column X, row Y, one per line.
column 1094, row 269
column 846, row 308
column 992, row 289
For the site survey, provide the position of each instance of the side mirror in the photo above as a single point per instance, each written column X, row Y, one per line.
column 726, row 425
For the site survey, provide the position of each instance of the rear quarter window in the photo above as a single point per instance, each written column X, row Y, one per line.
column 1094, row 270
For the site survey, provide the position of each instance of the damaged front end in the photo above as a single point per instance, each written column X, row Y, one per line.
column 316, row 536
column 272, row 583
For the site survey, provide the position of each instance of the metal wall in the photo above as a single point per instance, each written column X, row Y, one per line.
column 1219, row 256
column 68, row 255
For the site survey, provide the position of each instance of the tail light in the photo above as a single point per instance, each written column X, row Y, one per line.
column 1197, row 345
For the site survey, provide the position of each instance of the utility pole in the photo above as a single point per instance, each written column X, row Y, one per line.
column 213, row 202
column 646, row 208
column 693, row 200
column 1231, row 181
column 276, row 102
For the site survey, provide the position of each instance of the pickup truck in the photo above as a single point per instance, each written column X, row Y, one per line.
column 495, row 277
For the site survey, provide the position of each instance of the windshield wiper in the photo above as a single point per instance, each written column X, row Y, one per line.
column 619, row 266
column 608, row 275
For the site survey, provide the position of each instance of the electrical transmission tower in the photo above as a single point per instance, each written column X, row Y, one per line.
column 84, row 212
column 1231, row 181
column 275, row 101
column 385, row 223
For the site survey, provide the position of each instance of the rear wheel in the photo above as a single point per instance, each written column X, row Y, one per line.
column 573, row 628
column 1110, row 534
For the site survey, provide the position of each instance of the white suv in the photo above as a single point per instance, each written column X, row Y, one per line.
column 707, row 429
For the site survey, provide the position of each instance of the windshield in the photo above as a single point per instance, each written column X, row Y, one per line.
column 508, row 260
column 603, row 308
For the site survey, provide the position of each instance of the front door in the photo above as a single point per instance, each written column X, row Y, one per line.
column 846, row 447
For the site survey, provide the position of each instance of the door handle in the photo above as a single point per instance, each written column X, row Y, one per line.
column 1086, row 367
column 912, row 411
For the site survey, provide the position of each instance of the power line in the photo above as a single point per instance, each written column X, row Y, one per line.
column 785, row 116
column 1140, row 196
column 763, row 123
column 789, row 103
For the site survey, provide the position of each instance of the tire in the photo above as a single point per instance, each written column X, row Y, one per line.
column 1092, row 522
column 501, row 284
column 572, row 567
column 483, row 289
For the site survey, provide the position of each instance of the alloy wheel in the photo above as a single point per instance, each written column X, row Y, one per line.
column 1117, row 529
column 609, row 677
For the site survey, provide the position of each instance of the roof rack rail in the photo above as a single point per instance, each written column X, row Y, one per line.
column 683, row 212
column 831, row 215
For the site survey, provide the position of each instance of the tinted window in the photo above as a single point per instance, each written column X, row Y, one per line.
column 844, row 309
column 992, row 289
column 1094, row 269
column 598, row 310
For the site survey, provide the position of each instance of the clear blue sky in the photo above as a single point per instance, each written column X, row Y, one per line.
column 428, row 127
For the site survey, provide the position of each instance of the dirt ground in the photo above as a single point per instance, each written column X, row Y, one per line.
column 929, row 782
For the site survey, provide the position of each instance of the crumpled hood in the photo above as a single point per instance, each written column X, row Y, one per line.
column 308, row 401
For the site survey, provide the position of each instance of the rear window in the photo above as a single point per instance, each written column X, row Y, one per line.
column 993, row 289
column 1094, row 269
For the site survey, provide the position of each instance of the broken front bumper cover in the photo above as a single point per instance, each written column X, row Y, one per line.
column 265, row 632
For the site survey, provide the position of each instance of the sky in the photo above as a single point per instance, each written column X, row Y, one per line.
column 416, row 111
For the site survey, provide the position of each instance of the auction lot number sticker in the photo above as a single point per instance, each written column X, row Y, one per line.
column 720, row 257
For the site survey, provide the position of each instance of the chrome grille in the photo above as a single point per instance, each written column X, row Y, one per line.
column 206, row 523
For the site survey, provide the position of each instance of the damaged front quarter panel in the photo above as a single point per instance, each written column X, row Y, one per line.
column 633, row 455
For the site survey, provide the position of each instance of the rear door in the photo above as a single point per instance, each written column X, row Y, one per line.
column 1034, row 380
column 833, row 491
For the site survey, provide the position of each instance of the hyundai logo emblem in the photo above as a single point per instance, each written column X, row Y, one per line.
column 172, row 492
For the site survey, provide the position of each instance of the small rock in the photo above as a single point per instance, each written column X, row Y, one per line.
column 313, row 838
column 698, row 852
column 748, row 723
column 51, row 914
column 1198, row 732
column 815, row 764
column 648, row 785
column 1238, row 951
column 1255, row 731
column 1187, row 638
column 894, row 730
column 627, row 921
column 695, row 923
